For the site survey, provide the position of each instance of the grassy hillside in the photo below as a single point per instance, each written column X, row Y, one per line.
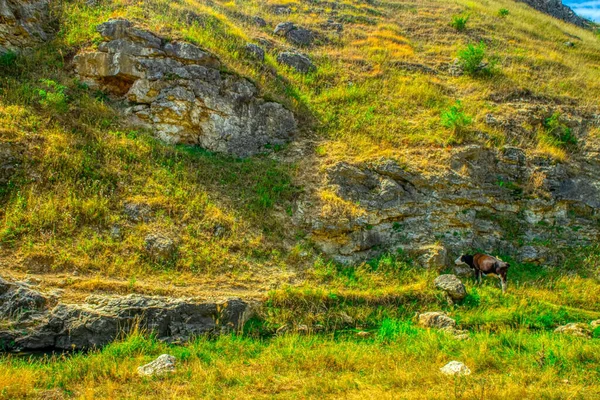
column 382, row 89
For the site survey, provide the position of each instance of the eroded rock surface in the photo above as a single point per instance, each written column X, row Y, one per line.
column 557, row 9
column 23, row 23
column 178, row 90
column 503, row 200
column 35, row 323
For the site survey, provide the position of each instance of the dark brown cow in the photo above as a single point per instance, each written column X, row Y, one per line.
column 483, row 264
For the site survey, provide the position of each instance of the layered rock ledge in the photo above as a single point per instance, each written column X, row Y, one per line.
column 32, row 320
column 500, row 201
column 179, row 91
column 23, row 23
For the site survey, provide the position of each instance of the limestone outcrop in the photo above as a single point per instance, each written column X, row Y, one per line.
column 501, row 201
column 179, row 92
column 23, row 23
column 33, row 320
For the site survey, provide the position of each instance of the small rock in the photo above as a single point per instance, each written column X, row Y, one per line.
column 255, row 51
column 348, row 320
column 115, row 232
column 159, row 246
column 333, row 26
column 455, row 368
column 453, row 287
column 569, row 44
column 299, row 62
column 282, row 10
column 259, row 21
column 162, row 365
column 283, row 28
column 575, row 329
column 437, row 320
column 300, row 37
column 363, row 334
column 137, row 212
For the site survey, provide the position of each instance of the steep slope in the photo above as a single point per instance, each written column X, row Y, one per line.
column 400, row 146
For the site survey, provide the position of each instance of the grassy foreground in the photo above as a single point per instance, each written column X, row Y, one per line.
column 512, row 349
column 505, row 364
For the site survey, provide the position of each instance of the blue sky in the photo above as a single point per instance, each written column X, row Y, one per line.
column 586, row 8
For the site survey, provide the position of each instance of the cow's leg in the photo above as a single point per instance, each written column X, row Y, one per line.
column 479, row 277
column 503, row 283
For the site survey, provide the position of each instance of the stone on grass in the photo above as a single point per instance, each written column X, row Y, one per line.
column 162, row 365
column 436, row 319
column 255, row 51
column 575, row 329
column 259, row 21
column 455, row 368
column 453, row 287
column 300, row 37
column 283, row 28
column 299, row 62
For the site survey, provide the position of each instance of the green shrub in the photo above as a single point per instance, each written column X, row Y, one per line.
column 471, row 59
column 455, row 119
column 503, row 12
column 459, row 22
column 53, row 95
column 557, row 134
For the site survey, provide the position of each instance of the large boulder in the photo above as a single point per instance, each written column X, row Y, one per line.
column 23, row 23
column 453, row 287
column 179, row 91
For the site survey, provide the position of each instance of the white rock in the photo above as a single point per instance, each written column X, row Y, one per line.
column 455, row 368
column 165, row 363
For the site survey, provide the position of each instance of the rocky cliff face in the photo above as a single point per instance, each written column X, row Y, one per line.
column 32, row 320
column 500, row 201
column 23, row 23
column 558, row 10
column 177, row 90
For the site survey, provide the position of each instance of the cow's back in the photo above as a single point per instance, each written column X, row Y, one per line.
column 484, row 263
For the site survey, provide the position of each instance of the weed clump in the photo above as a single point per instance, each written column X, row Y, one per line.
column 503, row 12
column 472, row 59
column 557, row 134
column 455, row 119
column 459, row 22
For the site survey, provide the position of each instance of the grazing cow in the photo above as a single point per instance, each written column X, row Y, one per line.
column 483, row 264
